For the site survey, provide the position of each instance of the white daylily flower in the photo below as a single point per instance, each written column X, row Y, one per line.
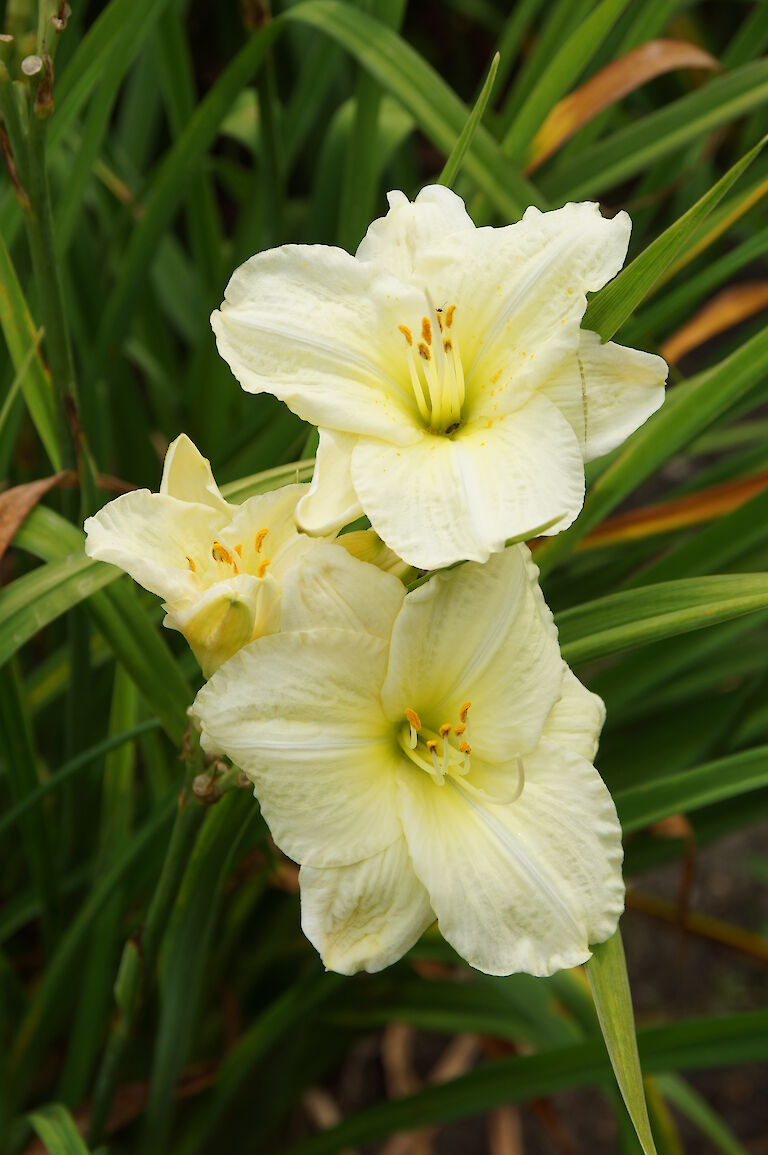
column 217, row 566
column 456, row 396
column 426, row 755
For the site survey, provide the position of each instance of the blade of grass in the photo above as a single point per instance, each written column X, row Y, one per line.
column 609, row 308
column 639, row 616
column 435, row 107
column 562, row 70
column 716, row 1042
column 690, row 790
column 453, row 164
column 21, row 765
column 607, row 973
column 358, row 191
column 22, row 338
column 103, row 952
column 659, row 134
column 56, row 1130
column 185, row 955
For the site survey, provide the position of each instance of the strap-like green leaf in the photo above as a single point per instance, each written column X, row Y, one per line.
column 56, row 1130
column 435, row 107
column 611, row 307
column 454, row 162
column 607, row 971
column 663, row 133
column 636, row 617
column 21, row 338
column 693, row 789
column 697, row 1043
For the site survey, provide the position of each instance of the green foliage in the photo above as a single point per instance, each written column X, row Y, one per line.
column 182, row 139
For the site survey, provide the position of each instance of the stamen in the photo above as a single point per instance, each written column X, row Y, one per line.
column 239, row 550
column 426, row 330
column 445, row 729
column 414, row 721
column 449, row 316
column 191, row 563
column 406, row 333
column 460, row 728
column 466, row 750
column 220, row 552
column 262, row 568
column 464, row 711
column 424, row 352
column 439, row 775
column 259, row 539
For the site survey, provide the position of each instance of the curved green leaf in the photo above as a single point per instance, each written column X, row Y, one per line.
column 635, row 617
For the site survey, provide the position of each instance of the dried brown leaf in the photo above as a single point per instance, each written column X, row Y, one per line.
column 728, row 308
column 610, row 85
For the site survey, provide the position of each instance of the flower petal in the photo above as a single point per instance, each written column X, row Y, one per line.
column 300, row 714
column 447, row 499
column 364, row 916
column 319, row 330
column 606, row 392
column 481, row 634
column 225, row 617
column 330, row 588
column 522, row 288
column 577, row 718
column 151, row 537
column 187, row 475
column 331, row 501
column 522, row 887
column 399, row 241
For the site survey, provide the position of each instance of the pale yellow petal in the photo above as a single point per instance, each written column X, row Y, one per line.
column 331, row 501
column 479, row 634
column 319, row 329
column 187, row 475
column 447, row 499
column 401, row 240
column 367, row 915
column 606, row 392
column 153, row 537
column 576, row 719
column 527, row 886
column 300, row 714
column 333, row 589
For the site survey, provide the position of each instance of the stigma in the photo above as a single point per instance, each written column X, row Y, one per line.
column 436, row 372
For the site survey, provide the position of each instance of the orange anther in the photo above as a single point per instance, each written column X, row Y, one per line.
column 262, row 568
column 465, row 748
column 406, row 333
column 426, row 330
column 460, row 728
column 413, row 719
column 432, row 745
column 464, row 711
column 424, row 351
column 239, row 550
column 191, row 563
column 445, row 729
column 449, row 315
column 259, row 539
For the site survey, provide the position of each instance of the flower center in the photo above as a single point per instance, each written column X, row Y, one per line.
column 437, row 376
column 441, row 752
column 229, row 562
